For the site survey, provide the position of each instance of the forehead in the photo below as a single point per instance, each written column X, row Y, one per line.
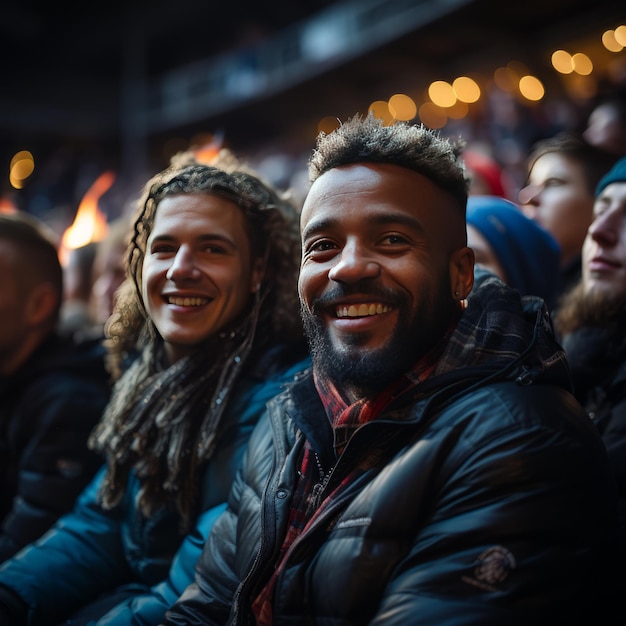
column 199, row 213
column 365, row 190
column 555, row 164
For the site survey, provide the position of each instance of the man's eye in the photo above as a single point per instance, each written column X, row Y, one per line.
column 322, row 246
column 213, row 249
column 394, row 239
column 162, row 249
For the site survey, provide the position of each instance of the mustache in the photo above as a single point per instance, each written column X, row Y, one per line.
column 339, row 292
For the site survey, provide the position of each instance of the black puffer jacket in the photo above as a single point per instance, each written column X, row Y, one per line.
column 491, row 501
column 47, row 410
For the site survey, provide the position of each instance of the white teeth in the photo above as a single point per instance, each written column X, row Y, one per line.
column 362, row 310
column 187, row 301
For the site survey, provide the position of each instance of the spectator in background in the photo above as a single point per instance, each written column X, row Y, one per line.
column 591, row 324
column 606, row 124
column 563, row 172
column 487, row 178
column 433, row 467
column 77, row 286
column 211, row 305
column 109, row 269
column 512, row 246
column 52, row 389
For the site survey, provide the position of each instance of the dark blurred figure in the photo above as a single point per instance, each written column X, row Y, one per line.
column 77, row 286
column 563, row 172
column 109, row 269
column 52, row 389
column 606, row 124
column 591, row 323
column 512, row 246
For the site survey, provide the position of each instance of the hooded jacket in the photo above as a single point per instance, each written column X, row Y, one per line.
column 489, row 498
column 47, row 410
column 139, row 564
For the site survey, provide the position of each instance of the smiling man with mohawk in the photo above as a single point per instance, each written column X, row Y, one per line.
column 434, row 468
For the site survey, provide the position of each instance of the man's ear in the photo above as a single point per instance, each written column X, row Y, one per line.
column 462, row 273
column 41, row 304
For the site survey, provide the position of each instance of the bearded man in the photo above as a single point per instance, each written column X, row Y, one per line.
column 591, row 321
column 433, row 467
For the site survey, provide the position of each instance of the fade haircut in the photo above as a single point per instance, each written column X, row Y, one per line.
column 415, row 147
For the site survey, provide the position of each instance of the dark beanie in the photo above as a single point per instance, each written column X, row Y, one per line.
column 617, row 174
column 528, row 254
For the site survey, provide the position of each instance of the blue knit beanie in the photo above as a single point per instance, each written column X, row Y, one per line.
column 617, row 174
column 528, row 254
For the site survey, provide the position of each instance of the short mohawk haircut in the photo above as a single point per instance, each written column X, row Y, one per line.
column 369, row 140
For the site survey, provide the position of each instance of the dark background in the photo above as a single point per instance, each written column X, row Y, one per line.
column 88, row 88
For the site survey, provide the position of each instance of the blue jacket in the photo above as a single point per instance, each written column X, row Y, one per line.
column 122, row 554
column 485, row 498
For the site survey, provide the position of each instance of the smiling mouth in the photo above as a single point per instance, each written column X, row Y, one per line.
column 187, row 301
column 362, row 310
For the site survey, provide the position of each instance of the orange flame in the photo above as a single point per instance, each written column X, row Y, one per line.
column 6, row 206
column 207, row 152
column 90, row 223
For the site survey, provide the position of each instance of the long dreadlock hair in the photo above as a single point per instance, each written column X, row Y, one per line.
column 164, row 420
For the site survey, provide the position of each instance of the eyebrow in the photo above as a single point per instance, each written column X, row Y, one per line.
column 381, row 219
column 201, row 238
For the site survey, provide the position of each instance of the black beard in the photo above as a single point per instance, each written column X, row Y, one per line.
column 367, row 372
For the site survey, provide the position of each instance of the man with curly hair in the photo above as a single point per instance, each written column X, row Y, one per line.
column 433, row 468
column 205, row 330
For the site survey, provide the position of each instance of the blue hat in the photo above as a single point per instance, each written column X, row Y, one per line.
column 528, row 254
column 617, row 174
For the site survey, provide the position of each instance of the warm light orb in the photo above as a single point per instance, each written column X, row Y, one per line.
column 458, row 111
column 327, row 124
column 582, row 64
column 506, row 79
column 380, row 109
column 610, row 42
column 432, row 115
column 562, row 62
column 620, row 35
column 21, row 167
column 402, row 107
column 466, row 89
column 531, row 88
column 442, row 93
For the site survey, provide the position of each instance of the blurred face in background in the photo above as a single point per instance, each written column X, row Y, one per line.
column 604, row 250
column 557, row 198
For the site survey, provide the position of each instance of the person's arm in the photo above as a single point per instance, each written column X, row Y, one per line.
column 519, row 531
column 149, row 608
column 54, row 464
column 78, row 558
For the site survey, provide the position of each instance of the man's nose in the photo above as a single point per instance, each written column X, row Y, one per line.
column 183, row 265
column 354, row 263
column 528, row 194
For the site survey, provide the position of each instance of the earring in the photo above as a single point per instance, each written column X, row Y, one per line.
column 456, row 294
